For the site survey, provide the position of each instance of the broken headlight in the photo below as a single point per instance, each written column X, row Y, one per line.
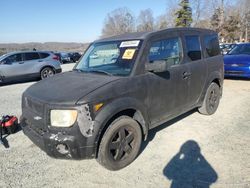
column 63, row 118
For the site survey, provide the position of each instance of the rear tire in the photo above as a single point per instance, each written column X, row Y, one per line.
column 120, row 143
column 211, row 101
column 47, row 72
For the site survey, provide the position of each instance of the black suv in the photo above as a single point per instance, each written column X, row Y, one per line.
column 122, row 87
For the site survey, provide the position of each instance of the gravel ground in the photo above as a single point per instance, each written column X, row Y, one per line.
column 216, row 148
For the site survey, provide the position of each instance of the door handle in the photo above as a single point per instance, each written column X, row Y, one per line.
column 185, row 75
column 40, row 61
column 21, row 62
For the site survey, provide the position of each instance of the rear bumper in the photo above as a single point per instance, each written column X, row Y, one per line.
column 58, row 70
column 59, row 145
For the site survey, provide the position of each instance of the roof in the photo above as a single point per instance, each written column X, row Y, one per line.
column 243, row 43
column 144, row 35
column 15, row 52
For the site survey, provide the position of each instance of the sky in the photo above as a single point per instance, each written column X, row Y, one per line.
column 63, row 20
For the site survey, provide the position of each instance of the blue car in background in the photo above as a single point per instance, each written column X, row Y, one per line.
column 237, row 61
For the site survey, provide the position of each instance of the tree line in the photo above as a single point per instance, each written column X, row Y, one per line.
column 230, row 19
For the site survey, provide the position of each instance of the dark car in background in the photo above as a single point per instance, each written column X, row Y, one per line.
column 65, row 57
column 237, row 61
column 68, row 57
column 18, row 66
column 225, row 48
column 75, row 56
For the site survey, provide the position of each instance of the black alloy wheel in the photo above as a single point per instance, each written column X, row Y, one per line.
column 120, row 143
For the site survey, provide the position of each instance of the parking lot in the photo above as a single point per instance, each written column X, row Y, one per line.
column 220, row 143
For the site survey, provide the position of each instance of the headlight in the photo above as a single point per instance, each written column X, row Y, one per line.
column 63, row 118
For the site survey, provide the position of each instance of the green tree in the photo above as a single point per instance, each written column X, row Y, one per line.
column 184, row 14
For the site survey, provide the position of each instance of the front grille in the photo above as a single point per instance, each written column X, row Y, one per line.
column 38, row 130
column 234, row 72
column 236, row 65
column 34, row 106
column 33, row 112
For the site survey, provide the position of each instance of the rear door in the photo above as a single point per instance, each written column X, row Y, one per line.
column 30, row 63
column 197, row 73
column 168, row 90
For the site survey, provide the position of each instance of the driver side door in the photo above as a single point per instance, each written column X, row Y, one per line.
column 10, row 66
column 168, row 89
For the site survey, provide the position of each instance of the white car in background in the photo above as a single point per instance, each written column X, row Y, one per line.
column 17, row 66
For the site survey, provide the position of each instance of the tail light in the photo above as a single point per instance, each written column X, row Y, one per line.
column 55, row 57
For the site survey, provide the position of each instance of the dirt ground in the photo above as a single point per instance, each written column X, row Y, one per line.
column 214, row 149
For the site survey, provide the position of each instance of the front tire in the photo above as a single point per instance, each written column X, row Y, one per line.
column 120, row 143
column 47, row 72
column 211, row 101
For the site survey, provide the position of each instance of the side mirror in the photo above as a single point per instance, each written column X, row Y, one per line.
column 157, row 66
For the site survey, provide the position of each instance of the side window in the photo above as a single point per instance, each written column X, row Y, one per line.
column 169, row 50
column 43, row 55
column 246, row 49
column 193, row 47
column 13, row 58
column 31, row 56
column 212, row 45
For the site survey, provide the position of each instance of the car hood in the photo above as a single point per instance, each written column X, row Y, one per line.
column 237, row 59
column 67, row 88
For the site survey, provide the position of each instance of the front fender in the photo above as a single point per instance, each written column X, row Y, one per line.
column 111, row 109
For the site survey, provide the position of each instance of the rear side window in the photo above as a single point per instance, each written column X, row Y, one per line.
column 211, row 45
column 193, row 47
column 44, row 55
column 31, row 56
column 169, row 50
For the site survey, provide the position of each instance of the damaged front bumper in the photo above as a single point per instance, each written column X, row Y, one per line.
column 60, row 144
column 75, row 142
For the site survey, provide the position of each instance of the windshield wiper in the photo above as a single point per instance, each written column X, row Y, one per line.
column 101, row 71
column 94, row 71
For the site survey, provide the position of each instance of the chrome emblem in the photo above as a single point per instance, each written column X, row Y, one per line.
column 37, row 118
column 234, row 65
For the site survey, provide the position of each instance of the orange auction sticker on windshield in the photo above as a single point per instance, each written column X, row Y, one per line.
column 128, row 54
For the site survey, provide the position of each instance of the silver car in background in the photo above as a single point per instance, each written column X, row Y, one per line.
column 17, row 66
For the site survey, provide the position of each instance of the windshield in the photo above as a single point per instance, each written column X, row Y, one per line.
column 111, row 58
column 240, row 49
column 2, row 57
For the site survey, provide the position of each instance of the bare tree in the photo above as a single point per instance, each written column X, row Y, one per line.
column 231, row 27
column 118, row 22
column 243, row 7
column 162, row 22
column 145, row 20
column 215, row 20
column 197, row 9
